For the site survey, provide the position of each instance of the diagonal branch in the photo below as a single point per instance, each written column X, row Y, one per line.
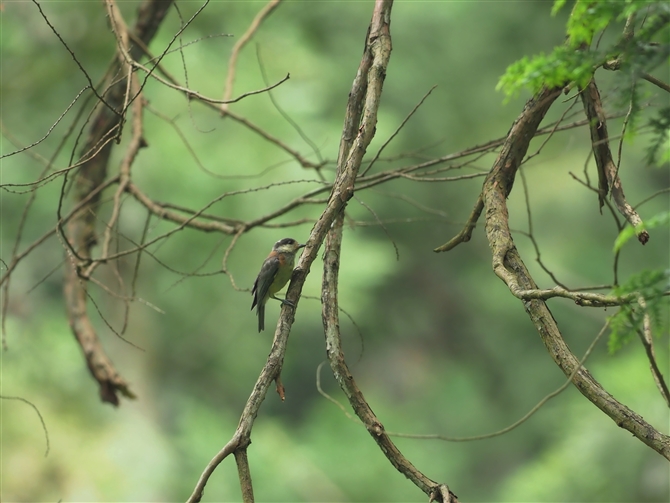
column 608, row 176
column 466, row 233
column 648, row 344
column 243, row 40
column 329, row 302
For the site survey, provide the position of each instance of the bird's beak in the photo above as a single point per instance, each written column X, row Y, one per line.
column 300, row 246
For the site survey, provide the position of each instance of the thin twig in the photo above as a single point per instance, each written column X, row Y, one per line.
column 402, row 124
column 648, row 344
column 531, row 235
column 286, row 116
column 74, row 58
column 53, row 126
column 522, row 420
column 39, row 415
column 242, row 41
column 466, row 233
column 381, row 224
column 650, row 78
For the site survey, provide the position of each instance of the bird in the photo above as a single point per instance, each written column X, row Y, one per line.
column 275, row 273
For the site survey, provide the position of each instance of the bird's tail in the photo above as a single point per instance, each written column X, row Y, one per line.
column 261, row 317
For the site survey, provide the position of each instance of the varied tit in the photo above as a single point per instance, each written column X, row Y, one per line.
column 275, row 273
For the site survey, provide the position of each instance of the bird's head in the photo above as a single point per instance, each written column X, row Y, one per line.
column 287, row 245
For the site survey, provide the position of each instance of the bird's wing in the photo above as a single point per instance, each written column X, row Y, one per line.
column 264, row 280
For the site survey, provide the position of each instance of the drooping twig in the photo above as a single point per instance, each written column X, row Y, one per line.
column 526, row 416
column 381, row 224
column 191, row 94
column 608, row 177
column 288, row 118
column 110, row 106
column 531, row 234
column 49, row 131
column 402, row 124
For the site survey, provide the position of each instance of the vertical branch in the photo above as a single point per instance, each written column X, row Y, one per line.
column 80, row 231
column 242, row 461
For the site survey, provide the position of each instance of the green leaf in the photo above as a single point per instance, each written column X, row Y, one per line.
column 650, row 285
column 575, row 61
column 558, row 5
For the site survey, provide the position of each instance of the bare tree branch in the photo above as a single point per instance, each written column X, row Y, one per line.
column 241, row 42
column 608, row 177
column 81, row 235
column 466, row 233
column 330, row 314
column 648, row 344
column 657, row 82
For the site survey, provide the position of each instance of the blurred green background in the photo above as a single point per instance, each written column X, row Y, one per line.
column 439, row 345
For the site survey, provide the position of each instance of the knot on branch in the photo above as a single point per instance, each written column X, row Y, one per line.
column 376, row 428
